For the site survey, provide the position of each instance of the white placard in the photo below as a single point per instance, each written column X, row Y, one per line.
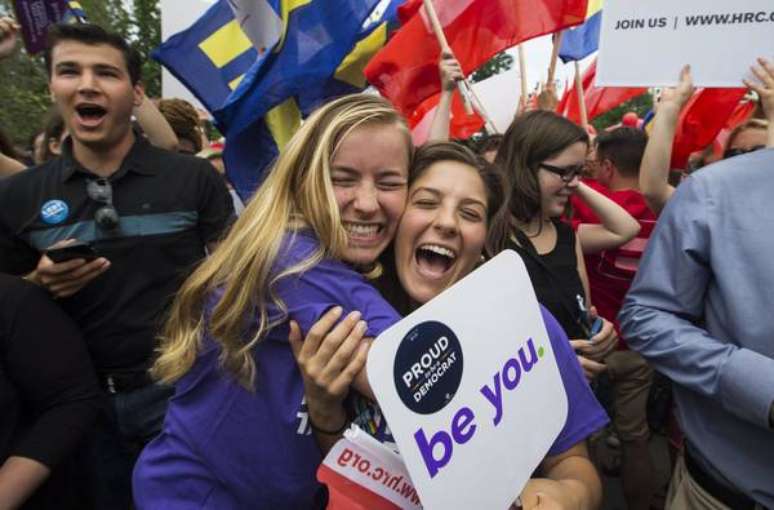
column 471, row 390
column 647, row 43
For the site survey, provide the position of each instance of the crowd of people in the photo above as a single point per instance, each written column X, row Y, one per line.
column 164, row 345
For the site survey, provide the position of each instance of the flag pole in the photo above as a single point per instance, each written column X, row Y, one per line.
column 479, row 106
column 523, row 74
column 581, row 97
column 462, row 85
column 554, row 57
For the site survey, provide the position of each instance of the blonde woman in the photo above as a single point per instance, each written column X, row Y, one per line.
column 237, row 434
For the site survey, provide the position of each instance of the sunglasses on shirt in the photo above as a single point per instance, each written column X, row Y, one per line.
column 100, row 190
column 566, row 173
column 730, row 153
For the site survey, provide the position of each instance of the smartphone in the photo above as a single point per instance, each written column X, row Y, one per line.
column 77, row 250
column 596, row 327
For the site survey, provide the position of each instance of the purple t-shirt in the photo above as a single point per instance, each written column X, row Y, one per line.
column 584, row 414
column 225, row 447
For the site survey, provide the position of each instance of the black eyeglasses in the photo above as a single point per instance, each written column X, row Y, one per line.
column 730, row 153
column 566, row 173
column 100, row 190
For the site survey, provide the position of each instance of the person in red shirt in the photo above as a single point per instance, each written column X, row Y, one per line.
column 615, row 171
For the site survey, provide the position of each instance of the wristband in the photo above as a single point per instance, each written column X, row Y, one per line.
column 328, row 432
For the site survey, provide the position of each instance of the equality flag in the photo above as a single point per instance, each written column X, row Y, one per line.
column 212, row 56
column 702, row 119
column 317, row 36
column 349, row 77
column 406, row 69
column 321, row 41
column 235, row 39
column 598, row 99
column 249, row 152
column 580, row 42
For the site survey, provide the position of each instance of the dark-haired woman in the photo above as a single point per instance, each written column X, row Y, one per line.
column 542, row 156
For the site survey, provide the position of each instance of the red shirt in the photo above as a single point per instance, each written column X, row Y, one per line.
column 611, row 272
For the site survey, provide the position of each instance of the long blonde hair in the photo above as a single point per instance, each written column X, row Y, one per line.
column 297, row 193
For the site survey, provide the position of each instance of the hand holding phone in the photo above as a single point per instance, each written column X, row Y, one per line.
column 72, row 251
column 67, row 267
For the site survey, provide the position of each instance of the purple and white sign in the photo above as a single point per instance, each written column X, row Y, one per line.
column 471, row 389
column 35, row 16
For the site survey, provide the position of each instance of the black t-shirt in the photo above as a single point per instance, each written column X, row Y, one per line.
column 555, row 277
column 170, row 206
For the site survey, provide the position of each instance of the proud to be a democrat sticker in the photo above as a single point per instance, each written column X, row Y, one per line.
column 428, row 367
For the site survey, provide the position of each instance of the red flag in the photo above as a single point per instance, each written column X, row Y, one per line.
column 742, row 114
column 407, row 10
column 561, row 108
column 406, row 69
column 706, row 113
column 598, row 99
column 461, row 125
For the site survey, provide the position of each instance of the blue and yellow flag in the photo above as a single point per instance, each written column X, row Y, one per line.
column 303, row 72
column 211, row 56
column 349, row 77
column 317, row 36
column 258, row 96
column 580, row 42
column 74, row 12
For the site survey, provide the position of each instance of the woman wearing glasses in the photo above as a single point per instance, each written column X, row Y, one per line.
column 542, row 156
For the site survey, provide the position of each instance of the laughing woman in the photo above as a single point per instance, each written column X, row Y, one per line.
column 236, row 432
column 452, row 198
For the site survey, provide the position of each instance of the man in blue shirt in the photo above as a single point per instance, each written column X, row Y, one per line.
column 700, row 310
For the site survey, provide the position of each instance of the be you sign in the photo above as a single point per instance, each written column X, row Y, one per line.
column 647, row 43
column 470, row 387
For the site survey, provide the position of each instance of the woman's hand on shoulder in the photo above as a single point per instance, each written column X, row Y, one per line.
column 329, row 359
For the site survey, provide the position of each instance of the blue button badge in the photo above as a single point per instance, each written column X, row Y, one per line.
column 54, row 212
